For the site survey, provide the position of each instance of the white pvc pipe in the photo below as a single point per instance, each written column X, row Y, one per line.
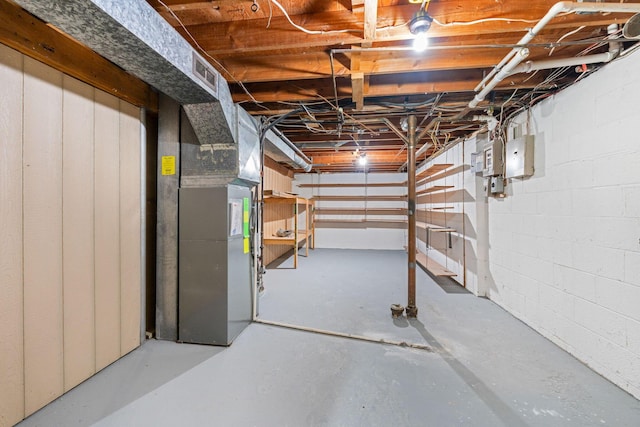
column 520, row 56
column 556, row 9
column 530, row 66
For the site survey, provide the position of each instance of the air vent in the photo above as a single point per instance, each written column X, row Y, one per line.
column 205, row 73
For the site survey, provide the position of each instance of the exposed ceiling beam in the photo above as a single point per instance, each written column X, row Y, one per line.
column 212, row 11
column 392, row 85
column 357, row 89
column 317, row 65
column 252, row 35
column 370, row 19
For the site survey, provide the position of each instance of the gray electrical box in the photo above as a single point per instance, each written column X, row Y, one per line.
column 477, row 163
column 493, row 159
column 496, row 185
column 519, row 157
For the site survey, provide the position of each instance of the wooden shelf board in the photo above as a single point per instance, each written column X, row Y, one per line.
column 432, row 266
column 355, row 223
column 436, row 176
column 438, row 167
column 282, row 194
column 362, row 198
column 377, row 184
column 275, row 240
column 358, row 211
column 433, row 189
column 434, row 227
column 290, row 200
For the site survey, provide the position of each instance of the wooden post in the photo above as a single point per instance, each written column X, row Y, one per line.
column 411, row 310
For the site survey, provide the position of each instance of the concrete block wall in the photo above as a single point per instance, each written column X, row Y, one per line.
column 356, row 238
column 564, row 245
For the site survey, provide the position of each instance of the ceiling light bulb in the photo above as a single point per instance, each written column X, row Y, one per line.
column 420, row 42
column 419, row 25
column 362, row 160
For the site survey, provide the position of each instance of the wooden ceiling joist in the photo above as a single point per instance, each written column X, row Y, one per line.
column 259, row 35
column 283, row 58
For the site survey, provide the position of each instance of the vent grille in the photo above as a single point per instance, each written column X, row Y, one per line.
column 205, row 73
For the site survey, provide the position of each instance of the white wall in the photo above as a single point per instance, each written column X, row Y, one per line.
column 356, row 238
column 564, row 246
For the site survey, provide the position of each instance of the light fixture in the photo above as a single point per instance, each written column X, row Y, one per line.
column 404, row 124
column 362, row 159
column 419, row 25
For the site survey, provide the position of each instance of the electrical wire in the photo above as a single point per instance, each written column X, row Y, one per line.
column 480, row 21
column 270, row 14
column 570, row 33
column 209, row 56
column 304, row 30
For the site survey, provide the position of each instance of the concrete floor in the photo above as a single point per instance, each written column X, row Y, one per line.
column 485, row 368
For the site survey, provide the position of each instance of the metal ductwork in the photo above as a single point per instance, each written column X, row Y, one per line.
column 134, row 36
column 280, row 149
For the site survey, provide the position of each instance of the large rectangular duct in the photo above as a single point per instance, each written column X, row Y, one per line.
column 134, row 36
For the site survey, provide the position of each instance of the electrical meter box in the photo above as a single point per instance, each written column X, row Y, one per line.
column 493, row 160
column 520, row 157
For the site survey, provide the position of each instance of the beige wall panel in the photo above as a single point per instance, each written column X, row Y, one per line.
column 77, row 236
column 11, row 302
column 130, row 264
column 107, row 229
column 42, row 162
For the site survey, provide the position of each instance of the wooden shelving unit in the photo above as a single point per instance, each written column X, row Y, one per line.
column 359, row 214
column 305, row 235
column 424, row 197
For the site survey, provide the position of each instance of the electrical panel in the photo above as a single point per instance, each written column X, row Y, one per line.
column 477, row 162
column 519, row 157
column 493, row 159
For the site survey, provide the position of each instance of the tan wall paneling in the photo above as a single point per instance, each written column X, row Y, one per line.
column 107, row 231
column 11, row 296
column 42, row 174
column 70, row 260
column 130, row 263
column 276, row 216
column 78, row 225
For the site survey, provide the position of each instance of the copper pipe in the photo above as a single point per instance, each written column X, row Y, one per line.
column 411, row 310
